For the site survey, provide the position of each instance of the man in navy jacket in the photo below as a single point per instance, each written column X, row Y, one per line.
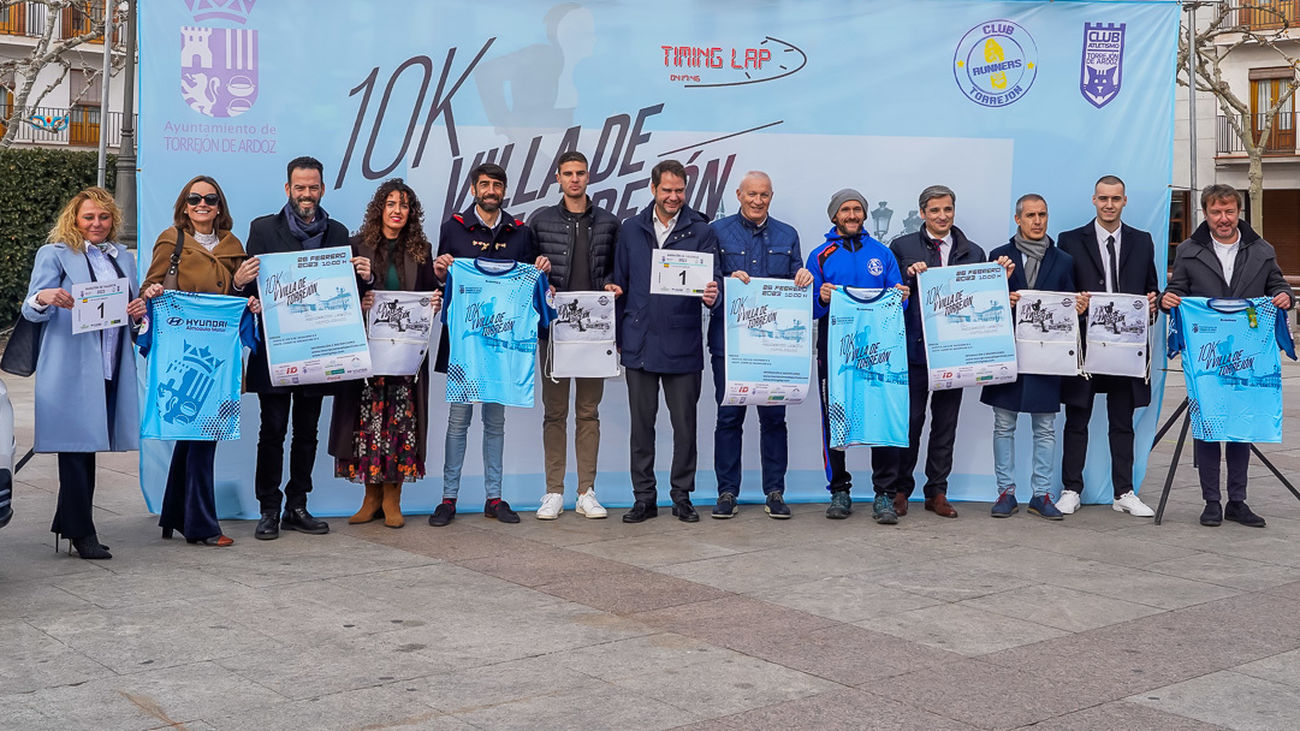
column 752, row 244
column 938, row 243
column 661, row 338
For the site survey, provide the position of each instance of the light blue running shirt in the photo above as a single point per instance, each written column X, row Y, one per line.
column 492, row 311
column 194, row 350
column 866, row 363
column 1231, row 366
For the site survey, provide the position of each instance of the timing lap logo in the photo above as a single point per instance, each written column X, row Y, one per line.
column 219, row 65
column 703, row 67
column 1101, row 65
column 995, row 63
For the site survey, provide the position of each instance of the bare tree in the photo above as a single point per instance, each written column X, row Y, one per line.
column 1234, row 25
column 18, row 76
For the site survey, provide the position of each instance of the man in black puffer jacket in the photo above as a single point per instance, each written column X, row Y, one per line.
column 578, row 238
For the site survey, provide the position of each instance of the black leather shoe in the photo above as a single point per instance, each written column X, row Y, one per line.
column 304, row 522
column 443, row 514
column 1213, row 514
column 89, row 547
column 500, row 509
column 685, row 512
column 1239, row 512
column 641, row 511
column 268, row 528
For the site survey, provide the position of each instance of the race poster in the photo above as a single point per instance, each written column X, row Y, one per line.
column 312, row 317
column 582, row 336
column 398, row 327
column 1047, row 333
column 1118, row 336
column 768, row 342
column 966, row 323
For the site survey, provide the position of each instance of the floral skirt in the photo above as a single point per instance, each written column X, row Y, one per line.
column 385, row 448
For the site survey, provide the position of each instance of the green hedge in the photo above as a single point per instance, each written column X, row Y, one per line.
column 34, row 186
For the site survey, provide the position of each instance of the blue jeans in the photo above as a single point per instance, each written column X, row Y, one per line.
column 494, row 442
column 1004, row 449
column 773, row 446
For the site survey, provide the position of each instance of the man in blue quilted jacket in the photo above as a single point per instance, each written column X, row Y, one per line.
column 751, row 244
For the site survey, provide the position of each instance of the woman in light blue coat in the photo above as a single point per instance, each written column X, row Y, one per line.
column 85, row 384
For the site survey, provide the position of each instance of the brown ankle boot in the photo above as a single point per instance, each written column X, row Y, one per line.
column 369, row 505
column 393, row 505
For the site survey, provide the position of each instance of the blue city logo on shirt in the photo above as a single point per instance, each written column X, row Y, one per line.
column 875, row 267
column 192, row 382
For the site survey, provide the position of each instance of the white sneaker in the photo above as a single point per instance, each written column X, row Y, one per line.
column 589, row 506
column 552, row 506
column 1129, row 503
column 1068, row 502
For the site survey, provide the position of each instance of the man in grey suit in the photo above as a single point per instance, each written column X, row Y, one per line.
column 1225, row 258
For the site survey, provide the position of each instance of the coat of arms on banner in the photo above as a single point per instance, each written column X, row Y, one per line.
column 1101, row 69
column 219, row 65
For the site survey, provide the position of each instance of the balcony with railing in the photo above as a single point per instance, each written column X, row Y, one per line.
column 1269, row 14
column 79, row 126
column 31, row 19
column 1281, row 141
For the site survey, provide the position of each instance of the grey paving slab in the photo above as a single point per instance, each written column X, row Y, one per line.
column 1229, row 699
column 652, row 551
column 844, row 654
column 381, row 707
column 34, row 660
column 167, row 696
column 946, row 580
column 1059, row 607
column 982, row 694
column 1232, row 571
column 842, row 708
column 1283, row 667
column 595, row 705
column 962, row 629
column 1121, row 716
column 153, row 635
column 845, row 598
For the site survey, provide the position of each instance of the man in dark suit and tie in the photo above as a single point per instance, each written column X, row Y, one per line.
column 1109, row 256
column 938, row 243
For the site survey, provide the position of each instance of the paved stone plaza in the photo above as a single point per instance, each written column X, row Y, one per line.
column 1102, row 621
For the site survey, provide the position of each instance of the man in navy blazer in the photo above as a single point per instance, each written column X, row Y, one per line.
column 661, row 338
column 938, row 243
column 1109, row 256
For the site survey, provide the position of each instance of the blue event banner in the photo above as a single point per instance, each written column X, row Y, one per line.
column 1032, row 96
column 966, row 322
column 312, row 316
column 769, row 341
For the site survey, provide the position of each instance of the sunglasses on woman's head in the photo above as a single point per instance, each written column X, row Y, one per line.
column 211, row 199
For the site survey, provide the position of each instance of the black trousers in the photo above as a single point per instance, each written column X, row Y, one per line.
column 1119, row 412
column 72, row 514
column 189, row 504
column 682, row 394
column 944, row 406
column 1236, row 454
column 270, row 449
column 884, row 461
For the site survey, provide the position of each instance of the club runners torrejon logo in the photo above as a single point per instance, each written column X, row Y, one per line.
column 995, row 63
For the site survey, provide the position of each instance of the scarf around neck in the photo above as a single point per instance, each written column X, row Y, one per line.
column 1033, row 251
column 310, row 234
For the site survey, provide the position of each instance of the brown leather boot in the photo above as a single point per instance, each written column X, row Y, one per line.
column 900, row 504
column 393, row 505
column 369, row 506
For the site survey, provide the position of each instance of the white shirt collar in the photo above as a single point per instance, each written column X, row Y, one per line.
column 1102, row 233
column 663, row 229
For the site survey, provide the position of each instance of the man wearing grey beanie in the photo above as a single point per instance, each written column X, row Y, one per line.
column 848, row 257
